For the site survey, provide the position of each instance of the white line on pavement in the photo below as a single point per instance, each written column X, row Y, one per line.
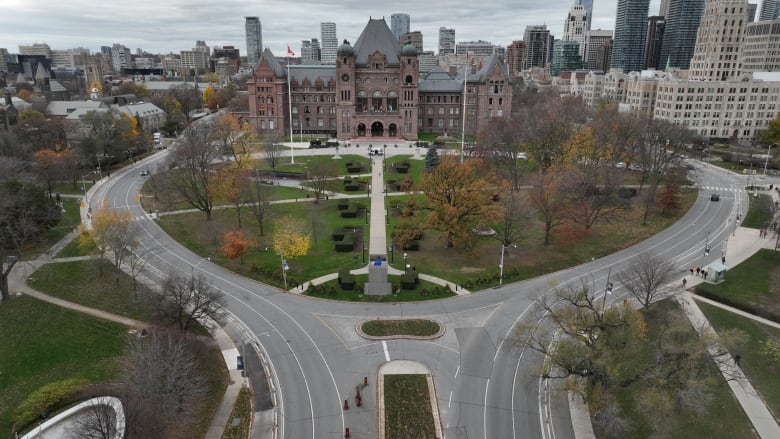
column 387, row 354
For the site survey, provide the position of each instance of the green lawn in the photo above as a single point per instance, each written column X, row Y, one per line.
column 80, row 282
column 751, row 285
column 43, row 343
column 69, row 221
column 759, row 215
column 407, row 407
column 302, row 162
column 763, row 372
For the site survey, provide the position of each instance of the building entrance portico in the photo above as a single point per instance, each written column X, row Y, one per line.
column 377, row 129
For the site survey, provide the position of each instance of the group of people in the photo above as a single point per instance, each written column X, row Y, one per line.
column 701, row 272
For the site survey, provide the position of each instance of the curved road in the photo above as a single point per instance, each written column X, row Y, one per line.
column 487, row 386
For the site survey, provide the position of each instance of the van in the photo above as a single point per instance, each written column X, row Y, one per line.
column 158, row 138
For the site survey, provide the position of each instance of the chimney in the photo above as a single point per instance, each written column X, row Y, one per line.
column 453, row 71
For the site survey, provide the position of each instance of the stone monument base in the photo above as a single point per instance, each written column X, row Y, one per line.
column 377, row 284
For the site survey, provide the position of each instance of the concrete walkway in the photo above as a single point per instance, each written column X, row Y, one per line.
column 377, row 243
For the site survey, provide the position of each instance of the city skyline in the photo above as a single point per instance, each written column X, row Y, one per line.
column 176, row 25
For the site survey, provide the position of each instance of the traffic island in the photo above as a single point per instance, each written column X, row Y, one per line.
column 407, row 401
column 379, row 329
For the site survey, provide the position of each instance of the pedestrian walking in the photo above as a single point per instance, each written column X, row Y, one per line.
column 685, row 281
column 705, row 274
column 698, row 271
column 692, row 271
column 737, row 359
column 723, row 259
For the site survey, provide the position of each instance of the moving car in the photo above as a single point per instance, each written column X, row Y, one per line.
column 714, row 197
column 144, row 172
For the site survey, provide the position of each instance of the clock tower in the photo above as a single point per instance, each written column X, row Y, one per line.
column 345, row 91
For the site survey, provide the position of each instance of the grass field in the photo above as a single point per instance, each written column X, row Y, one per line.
column 44, row 343
column 762, row 371
column 759, row 215
column 753, row 285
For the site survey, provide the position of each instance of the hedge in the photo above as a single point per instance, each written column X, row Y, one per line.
column 409, row 281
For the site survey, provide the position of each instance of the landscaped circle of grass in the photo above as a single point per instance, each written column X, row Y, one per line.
column 410, row 327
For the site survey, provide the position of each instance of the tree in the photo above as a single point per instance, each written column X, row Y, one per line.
column 644, row 276
column 35, row 133
column 431, row 158
column 187, row 300
column 321, row 175
column 136, row 259
column 108, row 136
column 771, row 135
column 549, row 198
column 193, row 178
column 208, row 93
column 97, row 421
column 6, row 265
column 162, row 385
column 228, row 133
column 272, row 150
column 261, row 204
column 26, row 214
column 188, row 99
column 114, row 232
column 592, row 180
column 502, row 146
column 514, row 215
column 291, row 239
column 458, row 199
column 52, row 166
column 231, row 183
column 235, row 245
column 669, row 197
column 585, row 344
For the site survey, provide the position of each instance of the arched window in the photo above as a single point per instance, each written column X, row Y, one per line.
column 362, row 101
column 392, row 101
column 408, row 79
column 376, row 101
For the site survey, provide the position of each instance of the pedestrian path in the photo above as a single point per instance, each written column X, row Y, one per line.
column 377, row 243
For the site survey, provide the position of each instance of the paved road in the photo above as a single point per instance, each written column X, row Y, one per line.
column 487, row 387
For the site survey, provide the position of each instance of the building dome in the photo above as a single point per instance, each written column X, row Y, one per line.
column 345, row 49
column 409, row 50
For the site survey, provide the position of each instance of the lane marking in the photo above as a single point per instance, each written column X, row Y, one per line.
column 387, row 354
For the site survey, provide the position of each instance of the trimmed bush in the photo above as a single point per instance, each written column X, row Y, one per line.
column 347, row 282
column 347, row 244
column 351, row 187
column 409, row 281
column 46, row 398
column 343, row 204
column 351, row 211
column 338, row 235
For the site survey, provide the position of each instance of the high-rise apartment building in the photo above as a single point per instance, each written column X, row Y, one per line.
column 655, row 38
column 594, row 42
column 415, row 38
column 538, row 48
column 446, row 40
column 120, row 57
column 41, row 49
column 588, row 4
column 515, row 53
column 628, row 49
column 565, row 57
column 682, row 24
column 770, row 10
column 399, row 24
column 330, row 43
column 310, row 51
column 716, row 54
column 475, row 49
column 576, row 25
column 760, row 49
column 254, row 40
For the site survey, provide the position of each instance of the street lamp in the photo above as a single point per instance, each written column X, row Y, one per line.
column 192, row 266
column 364, row 253
column 501, row 266
column 406, row 266
column 390, row 249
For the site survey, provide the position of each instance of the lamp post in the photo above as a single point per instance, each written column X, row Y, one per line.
column 406, row 266
column 192, row 267
column 607, row 290
column 390, row 248
column 364, row 253
column 766, row 162
column 501, row 266
column 285, row 267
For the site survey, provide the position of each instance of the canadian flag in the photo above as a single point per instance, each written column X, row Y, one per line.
column 290, row 51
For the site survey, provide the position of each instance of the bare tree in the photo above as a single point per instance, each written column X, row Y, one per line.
column 187, row 300
column 161, row 385
column 136, row 258
column 272, row 150
column 585, row 344
column 549, row 197
column 261, row 204
column 98, row 421
column 644, row 276
column 193, row 177
column 321, row 175
column 515, row 214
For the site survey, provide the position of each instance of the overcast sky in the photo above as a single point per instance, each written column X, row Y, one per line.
column 162, row 26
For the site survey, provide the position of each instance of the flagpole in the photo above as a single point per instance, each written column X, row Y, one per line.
column 463, row 125
column 289, row 99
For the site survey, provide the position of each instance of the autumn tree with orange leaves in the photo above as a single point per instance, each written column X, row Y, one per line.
column 235, row 245
column 459, row 200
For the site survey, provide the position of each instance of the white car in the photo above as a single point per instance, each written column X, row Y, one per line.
column 144, row 172
column 620, row 165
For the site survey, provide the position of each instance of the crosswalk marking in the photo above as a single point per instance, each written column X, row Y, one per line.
column 721, row 189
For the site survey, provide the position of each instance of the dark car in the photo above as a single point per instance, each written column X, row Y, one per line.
column 714, row 197
column 144, row 173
